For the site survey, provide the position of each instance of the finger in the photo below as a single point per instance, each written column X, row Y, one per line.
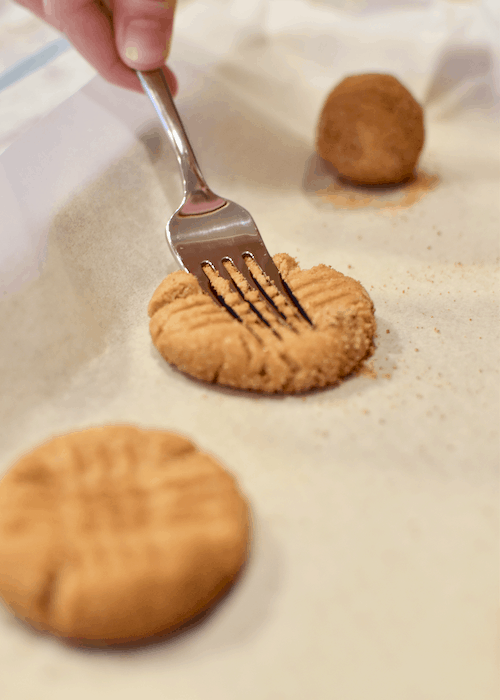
column 90, row 31
column 88, row 27
column 143, row 31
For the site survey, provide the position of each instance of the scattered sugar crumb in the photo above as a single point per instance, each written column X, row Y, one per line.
column 368, row 370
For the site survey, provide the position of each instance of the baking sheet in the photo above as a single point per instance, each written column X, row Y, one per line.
column 373, row 571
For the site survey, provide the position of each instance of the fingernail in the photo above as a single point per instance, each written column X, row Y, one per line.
column 145, row 41
column 132, row 53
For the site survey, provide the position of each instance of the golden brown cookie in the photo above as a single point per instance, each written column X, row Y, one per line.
column 371, row 130
column 204, row 340
column 114, row 534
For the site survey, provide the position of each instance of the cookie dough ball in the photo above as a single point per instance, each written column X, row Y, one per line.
column 114, row 534
column 371, row 130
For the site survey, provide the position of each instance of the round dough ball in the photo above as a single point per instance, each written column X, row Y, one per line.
column 371, row 130
column 114, row 534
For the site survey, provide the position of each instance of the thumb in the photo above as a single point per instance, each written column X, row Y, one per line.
column 143, row 31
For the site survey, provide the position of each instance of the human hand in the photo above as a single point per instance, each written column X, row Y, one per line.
column 131, row 35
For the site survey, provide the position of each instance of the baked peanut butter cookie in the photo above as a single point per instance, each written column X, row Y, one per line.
column 252, row 349
column 114, row 534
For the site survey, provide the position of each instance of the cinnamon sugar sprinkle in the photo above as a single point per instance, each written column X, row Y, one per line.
column 347, row 195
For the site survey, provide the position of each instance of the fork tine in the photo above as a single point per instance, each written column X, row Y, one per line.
column 269, row 306
column 212, row 290
column 266, row 264
column 203, row 280
column 223, row 275
column 244, row 293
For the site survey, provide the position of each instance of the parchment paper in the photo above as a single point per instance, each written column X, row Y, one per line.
column 374, row 567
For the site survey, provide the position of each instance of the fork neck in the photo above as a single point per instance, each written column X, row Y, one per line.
column 198, row 197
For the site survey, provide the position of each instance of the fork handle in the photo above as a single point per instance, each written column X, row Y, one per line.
column 198, row 197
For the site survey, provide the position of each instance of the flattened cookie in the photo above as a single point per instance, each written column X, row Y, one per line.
column 114, row 534
column 204, row 340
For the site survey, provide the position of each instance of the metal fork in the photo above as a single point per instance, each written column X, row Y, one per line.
column 207, row 230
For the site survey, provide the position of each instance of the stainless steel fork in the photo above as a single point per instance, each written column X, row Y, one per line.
column 207, row 230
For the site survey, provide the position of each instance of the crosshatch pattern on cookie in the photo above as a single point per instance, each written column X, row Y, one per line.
column 115, row 533
column 256, row 351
